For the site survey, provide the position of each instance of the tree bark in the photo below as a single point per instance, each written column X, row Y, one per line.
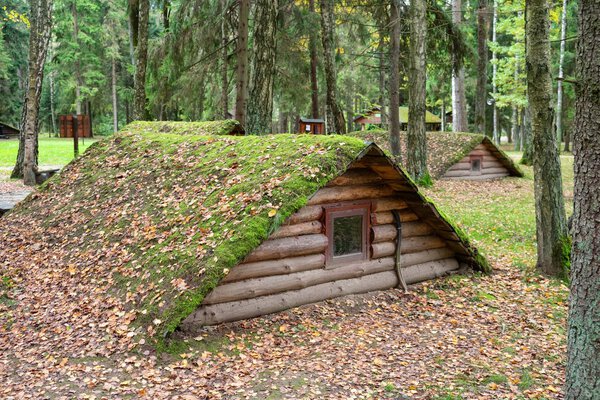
column 395, row 78
column 416, row 140
column 77, row 63
column 550, row 208
column 139, row 96
column 314, row 82
column 335, row 116
column 241, row 86
column 114, row 96
column 382, row 70
column 224, row 62
column 482, row 66
column 459, row 101
column 260, row 109
column 495, row 129
column 559, row 84
column 39, row 39
column 583, row 343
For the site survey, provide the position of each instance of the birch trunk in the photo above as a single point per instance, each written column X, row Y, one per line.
column 39, row 39
column 496, row 133
column 395, row 78
column 459, row 101
column 583, row 342
column 416, row 142
column 559, row 84
column 260, row 109
column 335, row 116
column 241, row 86
column 550, row 208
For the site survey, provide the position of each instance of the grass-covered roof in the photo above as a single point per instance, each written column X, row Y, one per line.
column 219, row 127
column 149, row 222
column 444, row 149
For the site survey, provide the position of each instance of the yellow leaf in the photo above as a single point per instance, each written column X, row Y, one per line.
column 272, row 212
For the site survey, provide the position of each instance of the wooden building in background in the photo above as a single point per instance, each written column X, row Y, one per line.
column 8, row 131
column 311, row 125
column 68, row 123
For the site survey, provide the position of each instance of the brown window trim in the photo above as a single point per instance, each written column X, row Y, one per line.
column 475, row 171
column 347, row 209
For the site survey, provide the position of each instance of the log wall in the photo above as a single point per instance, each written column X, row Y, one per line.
column 289, row 269
column 491, row 167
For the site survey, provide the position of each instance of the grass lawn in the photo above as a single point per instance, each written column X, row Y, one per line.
column 53, row 151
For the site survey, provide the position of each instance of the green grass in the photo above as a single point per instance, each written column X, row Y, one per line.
column 53, row 151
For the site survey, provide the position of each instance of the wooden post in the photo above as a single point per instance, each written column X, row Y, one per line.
column 76, row 136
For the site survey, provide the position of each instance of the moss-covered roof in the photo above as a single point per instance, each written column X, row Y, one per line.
column 430, row 118
column 444, row 148
column 154, row 220
column 220, row 127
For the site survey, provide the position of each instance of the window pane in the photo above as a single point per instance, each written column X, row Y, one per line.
column 476, row 164
column 347, row 235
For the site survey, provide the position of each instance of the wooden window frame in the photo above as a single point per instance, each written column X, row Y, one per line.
column 476, row 171
column 347, row 209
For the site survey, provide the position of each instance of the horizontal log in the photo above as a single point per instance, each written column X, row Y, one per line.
column 233, row 311
column 347, row 193
column 478, row 177
column 458, row 173
column 484, row 152
column 304, row 228
column 430, row 270
column 387, row 232
column 370, row 161
column 490, row 171
column 407, row 260
column 492, row 164
column 386, row 217
column 288, row 247
column 408, row 245
column 305, row 214
column 461, row 166
column 274, row 267
column 388, row 204
column 480, row 146
column 356, row 176
column 252, row 288
column 491, row 158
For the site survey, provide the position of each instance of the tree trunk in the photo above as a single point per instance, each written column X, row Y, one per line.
column 241, row 85
column 550, row 208
column 114, row 96
column 52, row 101
column 260, row 109
column 395, row 78
column 567, row 136
column 443, row 115
column 77, row 63
column 526, row 145
column 139, row 96
column 583, row 343
column 482, row 63
column 224, row 63
column 39, row 38
column 335, row 116
column 514, row 125
column 459, row 101
column 559, row 84
column 382, row 94
column 495, row 129
column 314, row 83
column 416, row 143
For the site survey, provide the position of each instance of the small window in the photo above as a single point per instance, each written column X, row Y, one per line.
column 476, row 164
column 347, row 228
column 307, row 128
